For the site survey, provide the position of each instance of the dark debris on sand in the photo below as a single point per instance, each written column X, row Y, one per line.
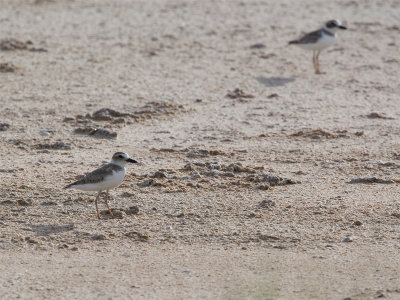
column 7, row 67
column 210, row 175
column 11, row 44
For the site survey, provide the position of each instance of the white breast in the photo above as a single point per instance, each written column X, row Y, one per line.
column 114, row 180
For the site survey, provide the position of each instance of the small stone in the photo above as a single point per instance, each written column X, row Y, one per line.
column 119, row 121
column 98, row 237
column 4, row 126
column 263, row 187
column 238, row 94
column 195, row 175
column 379, row 294
column 251, row 215
column 347, row 239
column 158, row 174
column 257, row 46
column 119, row 214
column 7, row 67
column 198, row 153
column 7, row 170
column 103, row 133
column 375, row 115
column 107, row 114
column 266, row 203
column 6, row 202
column 133, row 210
column 274, row 95
column 30, row 240
column 127, row 195
column 24, row 202
column 44, row 133
column 145, row 183
column 138, row 236
column 357, row 223
column 49, row 203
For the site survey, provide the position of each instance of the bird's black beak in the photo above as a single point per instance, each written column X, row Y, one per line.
column 342, row 27
column 131, row 161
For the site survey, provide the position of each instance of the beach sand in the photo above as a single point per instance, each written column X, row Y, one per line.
column 257, row 179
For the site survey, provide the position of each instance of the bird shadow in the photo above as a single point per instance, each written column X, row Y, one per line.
column 274, row 81
column 43, row 230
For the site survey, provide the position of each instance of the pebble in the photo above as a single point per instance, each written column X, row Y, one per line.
column 137, row 236
column 197, row 153
column 4, row 126
column 132, row 210
column 258, row 46
column 44, row 133
column 106, row 114
column 348, row 239
column 98, row 237
column 146, row 182
column 266, row 203
column 24, row 202
column 158, row 174
column 195, row 175
column 379, row 294
column 118, row 213
column 30, row 240
column 7, row 67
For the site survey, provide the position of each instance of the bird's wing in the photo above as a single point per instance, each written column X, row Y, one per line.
column 97, row 175
column 309, row 38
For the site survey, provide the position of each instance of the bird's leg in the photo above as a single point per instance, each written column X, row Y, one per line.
column 95, row 202
column 109, row 209
column 317, row 71
column 313, row 60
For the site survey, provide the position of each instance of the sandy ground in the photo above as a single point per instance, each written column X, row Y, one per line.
column 256, row 193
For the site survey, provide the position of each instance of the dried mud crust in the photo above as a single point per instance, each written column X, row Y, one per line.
column 7, row 67
column 30, row 144
column 103, row 122
column 211, row 175
column 317, row 134
column 11, row 44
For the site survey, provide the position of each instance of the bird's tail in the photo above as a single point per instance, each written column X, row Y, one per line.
column 69, row 185
column 293, row 42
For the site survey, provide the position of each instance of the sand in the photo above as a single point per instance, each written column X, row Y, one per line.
column 258, row 179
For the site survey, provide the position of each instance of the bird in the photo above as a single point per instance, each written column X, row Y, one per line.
column 104, row 178
column 319, row 40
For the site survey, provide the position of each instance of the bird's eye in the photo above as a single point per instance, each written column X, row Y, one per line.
column 121, row 156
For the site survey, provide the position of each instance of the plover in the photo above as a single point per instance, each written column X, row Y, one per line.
column 104, row 178
column 319, row 40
